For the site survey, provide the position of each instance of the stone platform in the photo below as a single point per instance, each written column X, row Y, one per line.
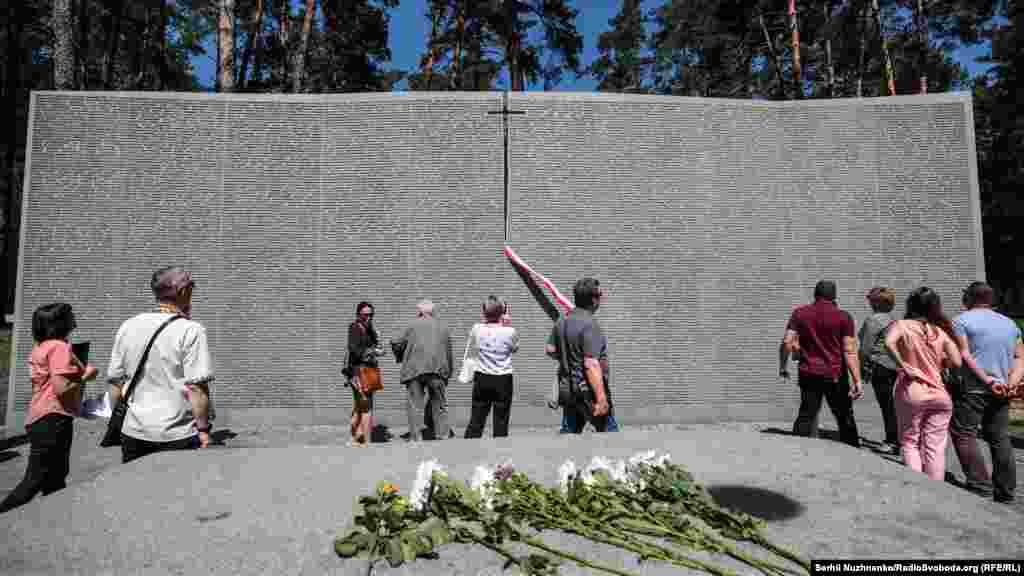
column 270, row 502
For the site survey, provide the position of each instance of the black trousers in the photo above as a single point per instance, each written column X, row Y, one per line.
column 883, row 380
column 490, row 390
column 837, row 394
column 974, row 410
column 133, row 448
column 49, row 460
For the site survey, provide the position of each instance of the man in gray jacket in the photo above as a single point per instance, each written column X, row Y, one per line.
column 425, row 351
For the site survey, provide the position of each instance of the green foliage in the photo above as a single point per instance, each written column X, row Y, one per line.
column 5, row 352
column 472, row 42
column 621, row 63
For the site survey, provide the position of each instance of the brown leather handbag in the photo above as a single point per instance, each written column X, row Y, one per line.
column 370, row 377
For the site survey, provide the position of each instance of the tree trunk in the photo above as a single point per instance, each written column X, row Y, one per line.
column 798, row 81
column 826, row 5
column 299, row 58
column 512, row 45
column 890, row 73
column 13, row 90
column 250, row 42
column 63, row 46
column 921, row 22
column 460, row 36
column 863, row 49
column 138, row 63
column 160, row 49
column 226, row 41
column 284, row 17
column 82, row 63
column 113, row 40
column 774, row 58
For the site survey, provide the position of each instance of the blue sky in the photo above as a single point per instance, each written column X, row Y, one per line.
column 410, row 30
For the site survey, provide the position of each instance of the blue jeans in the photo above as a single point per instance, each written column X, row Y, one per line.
column 569, row 422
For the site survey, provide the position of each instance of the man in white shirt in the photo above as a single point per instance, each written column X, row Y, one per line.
column 169, row 408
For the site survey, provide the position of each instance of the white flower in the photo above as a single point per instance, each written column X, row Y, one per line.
column 639, row 458
column 420, row 489
column 566, row 472
column 483, row 483
column 636, row 464
column 613, row 469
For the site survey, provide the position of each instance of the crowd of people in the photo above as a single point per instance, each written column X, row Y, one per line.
column 425, row 351
column 931, row 377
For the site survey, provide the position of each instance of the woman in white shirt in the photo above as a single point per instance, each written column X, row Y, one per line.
column 493, row 342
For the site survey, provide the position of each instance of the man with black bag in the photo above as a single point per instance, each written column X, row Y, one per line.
column 161, row 363
column 581, row 348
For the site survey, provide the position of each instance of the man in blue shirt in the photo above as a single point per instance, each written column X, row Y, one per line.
column 993, row 356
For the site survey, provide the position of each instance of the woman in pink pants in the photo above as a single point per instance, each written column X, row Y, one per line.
column 923, row 345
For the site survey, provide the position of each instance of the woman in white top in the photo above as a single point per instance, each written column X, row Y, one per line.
column 493, row 341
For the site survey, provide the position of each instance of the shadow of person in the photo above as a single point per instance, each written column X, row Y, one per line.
column 380, row 434
column 764, row 504
column 825, row 433
column 218, row 437
column 9, row 455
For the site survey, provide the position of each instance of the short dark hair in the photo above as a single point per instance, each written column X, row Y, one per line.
column 364, row 304
column 52, row 322
column 882, row 299
column 979, row 293
column 825, row 289
column 586, row 292
column 493, row 308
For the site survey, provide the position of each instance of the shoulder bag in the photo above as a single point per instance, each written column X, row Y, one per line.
column 113, row 435
column 469, row 365
column 570, row 392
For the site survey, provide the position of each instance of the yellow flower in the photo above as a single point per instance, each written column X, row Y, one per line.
column 388, row 488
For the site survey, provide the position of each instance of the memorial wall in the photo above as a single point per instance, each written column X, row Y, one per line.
column 707, row 221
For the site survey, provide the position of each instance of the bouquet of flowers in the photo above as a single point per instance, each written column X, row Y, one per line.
column 645, row 505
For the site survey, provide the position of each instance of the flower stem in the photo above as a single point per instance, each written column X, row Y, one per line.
column 780, row 551
column 538, row 543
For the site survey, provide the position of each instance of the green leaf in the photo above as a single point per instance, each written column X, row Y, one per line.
column 409, row 551
column 437, row 530
column 395, row 555
column 350, row 543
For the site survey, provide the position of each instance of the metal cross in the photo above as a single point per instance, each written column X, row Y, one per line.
column 505, row 113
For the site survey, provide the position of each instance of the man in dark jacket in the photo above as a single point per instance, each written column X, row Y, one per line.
column 425, row 351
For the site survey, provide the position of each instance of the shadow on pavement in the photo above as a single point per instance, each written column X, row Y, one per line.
column 764, row 504
column 8, row 455
column 380, row 434
column 218, row 437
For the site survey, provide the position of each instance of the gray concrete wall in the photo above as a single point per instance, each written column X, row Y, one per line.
column 707, row 220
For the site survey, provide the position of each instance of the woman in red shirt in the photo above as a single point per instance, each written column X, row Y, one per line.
column 57, row 377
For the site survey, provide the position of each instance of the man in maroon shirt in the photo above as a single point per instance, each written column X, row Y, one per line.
column 824, row 336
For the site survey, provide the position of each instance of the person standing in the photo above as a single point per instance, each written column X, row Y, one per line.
column 425, row 351
column 363, row 351
column 877, row 365
column 993, row 356
column 169, row 408
column 586, row 358
column 923, row 346
column 494, row 342
column 57, row 378
column 824, row 336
